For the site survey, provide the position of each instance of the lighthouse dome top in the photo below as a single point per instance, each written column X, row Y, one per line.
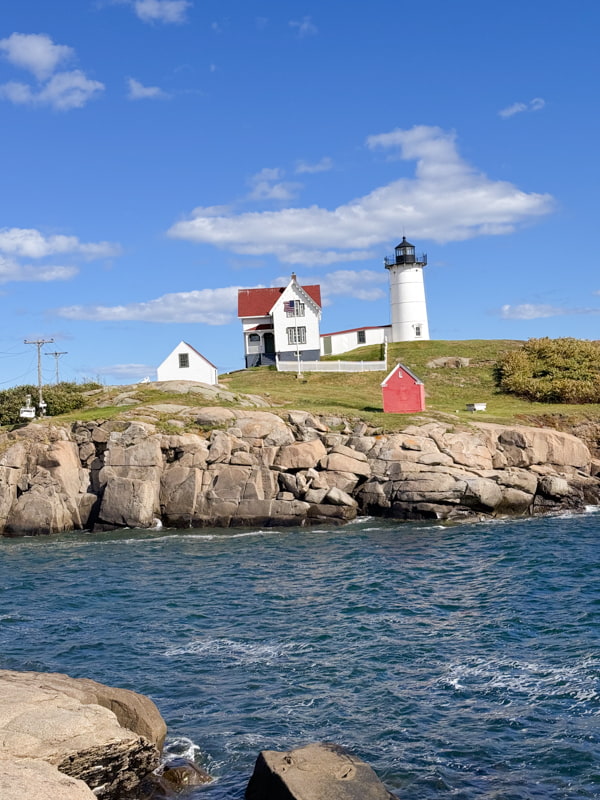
column 404, row 255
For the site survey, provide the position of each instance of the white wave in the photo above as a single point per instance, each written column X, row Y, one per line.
column 591, row 509
column 180, row 747
column 230, row 650
column 578, row 682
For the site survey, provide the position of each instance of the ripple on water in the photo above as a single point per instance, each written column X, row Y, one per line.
column 460, row 661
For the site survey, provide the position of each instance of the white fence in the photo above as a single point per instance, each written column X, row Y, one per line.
column 331, row 366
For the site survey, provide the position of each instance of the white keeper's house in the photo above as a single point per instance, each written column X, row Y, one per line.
column 185, row 363
column 280, row 323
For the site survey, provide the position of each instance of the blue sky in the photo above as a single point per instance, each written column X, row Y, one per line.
column 159, row 154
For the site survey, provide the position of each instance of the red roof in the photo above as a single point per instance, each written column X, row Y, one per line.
column 259, row 302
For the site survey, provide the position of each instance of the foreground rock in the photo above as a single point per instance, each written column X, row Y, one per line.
column 314, row 772
column 62, row 737
column 243, row 467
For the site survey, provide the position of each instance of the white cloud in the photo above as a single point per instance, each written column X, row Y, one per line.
column 517, row 108
column 11, row 271
column 267, row 185
column 530, row 311
column 541, row 310
column 170, row 11
column 133, row 371
column 66, row 90
column 360, row 284
column 305, row 27
column 35, row 52
column 208, row 306
column 137, row 91
column 38, row 54
column 446, row 200
column 363, row 284
column 324, row 165
column 30, row 243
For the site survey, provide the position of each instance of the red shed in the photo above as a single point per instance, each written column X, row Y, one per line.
column 403, row 392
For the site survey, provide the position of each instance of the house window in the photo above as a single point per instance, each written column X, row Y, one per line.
column 296, row 335
column 254, row 337
column 184, row 360
column 361, row 337
column 296, row 311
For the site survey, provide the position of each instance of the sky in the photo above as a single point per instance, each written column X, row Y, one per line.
column 158, row 155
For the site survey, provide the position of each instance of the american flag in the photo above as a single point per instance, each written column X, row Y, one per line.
column 289, row 305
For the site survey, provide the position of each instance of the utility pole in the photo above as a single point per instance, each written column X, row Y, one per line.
column 39, row 344
column 57, row 356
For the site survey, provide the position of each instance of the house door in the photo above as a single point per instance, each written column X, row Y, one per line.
column 269, row 343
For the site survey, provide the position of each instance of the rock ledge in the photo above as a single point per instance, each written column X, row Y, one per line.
column 73, row 739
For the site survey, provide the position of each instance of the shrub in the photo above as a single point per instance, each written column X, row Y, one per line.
column 552, row 371
column 59, row 398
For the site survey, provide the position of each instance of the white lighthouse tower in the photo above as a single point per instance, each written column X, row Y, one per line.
column 407, row 293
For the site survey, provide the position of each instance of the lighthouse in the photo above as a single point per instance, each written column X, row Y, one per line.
column 407, row 293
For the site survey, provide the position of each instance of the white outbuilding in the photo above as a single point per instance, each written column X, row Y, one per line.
column 334, row 344
column 185, row 363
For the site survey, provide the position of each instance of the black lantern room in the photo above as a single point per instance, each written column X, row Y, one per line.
column 404, row 253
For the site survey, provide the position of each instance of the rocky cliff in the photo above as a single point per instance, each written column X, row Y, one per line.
column 73, row 739
column 248, row 467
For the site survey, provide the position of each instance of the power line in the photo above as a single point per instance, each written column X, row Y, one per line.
column 39, row 343
column 57, row 355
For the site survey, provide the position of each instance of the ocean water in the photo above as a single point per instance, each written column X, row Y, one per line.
column 460, row 662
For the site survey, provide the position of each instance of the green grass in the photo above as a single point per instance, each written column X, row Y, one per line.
column 447, row 390
column 358, row 395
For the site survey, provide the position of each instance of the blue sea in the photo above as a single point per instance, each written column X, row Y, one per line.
column 460, row 662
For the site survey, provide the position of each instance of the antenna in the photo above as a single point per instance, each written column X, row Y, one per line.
column 39, row 343
column 57, row 355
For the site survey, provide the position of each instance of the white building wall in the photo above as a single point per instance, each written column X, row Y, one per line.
column 199, row 368
column 407, row 303
column 248, row 323
column 310, row 321
column 345, row 341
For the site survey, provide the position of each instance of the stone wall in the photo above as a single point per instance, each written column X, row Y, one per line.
column 247, row 467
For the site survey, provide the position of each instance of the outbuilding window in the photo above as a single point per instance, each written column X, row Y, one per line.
column 184, row 360
column 361, row 337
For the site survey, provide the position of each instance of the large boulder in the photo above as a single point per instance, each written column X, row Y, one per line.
column 300, row 455
column 314, row 772
column 29, row 778
column 108, row 738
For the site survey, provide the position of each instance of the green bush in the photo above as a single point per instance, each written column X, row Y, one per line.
column 552, row 371
column 59, row 398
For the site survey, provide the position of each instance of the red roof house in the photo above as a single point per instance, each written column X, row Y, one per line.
column 259, row 302
column 280, row 323
column 403, row 392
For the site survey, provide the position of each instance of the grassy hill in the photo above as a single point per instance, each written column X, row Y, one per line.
column 448, row 390
column 358, row 395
